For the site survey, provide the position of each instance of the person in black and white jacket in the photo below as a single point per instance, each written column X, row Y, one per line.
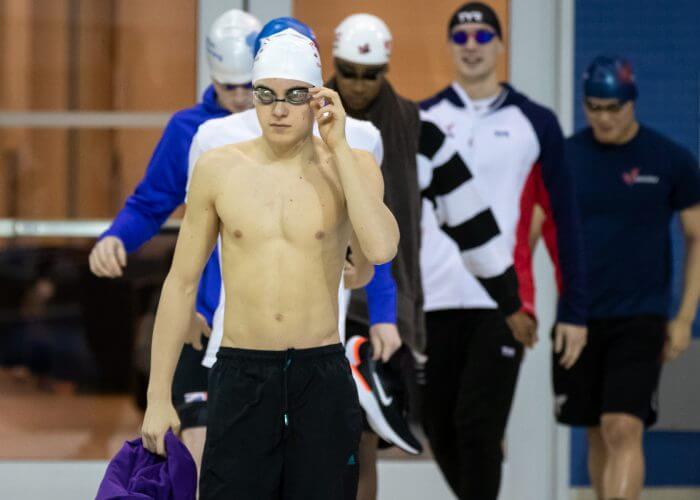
column 514, row 148
column 419, row 160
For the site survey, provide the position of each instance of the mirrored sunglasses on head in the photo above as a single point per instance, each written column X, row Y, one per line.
column 295, row 96
column 482, row 36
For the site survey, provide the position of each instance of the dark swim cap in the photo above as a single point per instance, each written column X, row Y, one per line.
column 610, row 78
column 475, row 12
column 280, row 24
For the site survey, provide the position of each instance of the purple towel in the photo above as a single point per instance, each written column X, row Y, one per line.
column 137, row 474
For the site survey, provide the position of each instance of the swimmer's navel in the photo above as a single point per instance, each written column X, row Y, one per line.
column 279, row 317
column 320, row 235
column 238, row 234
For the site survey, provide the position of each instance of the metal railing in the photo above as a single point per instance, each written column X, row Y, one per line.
column 83, row 119
column 79, row 228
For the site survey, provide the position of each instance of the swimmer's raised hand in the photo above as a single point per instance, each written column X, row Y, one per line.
column 330, row 115
column 160, row 416
column 108, row 258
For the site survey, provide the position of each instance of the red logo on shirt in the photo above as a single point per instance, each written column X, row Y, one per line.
column 630, row 177
column 364, row 49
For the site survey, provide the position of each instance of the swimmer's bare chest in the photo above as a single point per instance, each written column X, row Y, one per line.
column 263, row 205
column 284, row 236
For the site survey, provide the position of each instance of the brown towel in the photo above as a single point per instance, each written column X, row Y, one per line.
column 398, row 121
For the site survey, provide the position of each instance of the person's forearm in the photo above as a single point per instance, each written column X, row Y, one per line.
column 134, row 227
column 691, row 285
column 374, row 225
column 177, row 301
column 364, row 270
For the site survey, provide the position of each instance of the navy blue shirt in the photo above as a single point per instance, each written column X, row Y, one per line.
column 627, row 195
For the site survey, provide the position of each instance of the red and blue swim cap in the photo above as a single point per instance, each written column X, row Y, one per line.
column 610, row 77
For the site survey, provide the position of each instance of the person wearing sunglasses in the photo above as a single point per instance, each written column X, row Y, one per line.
column 631, row 181
column 162, row 190
column 284, row 419
column 417, row 153
column 360, row 62
column 514, row 148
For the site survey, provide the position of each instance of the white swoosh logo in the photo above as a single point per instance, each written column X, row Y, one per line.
column 386, row 401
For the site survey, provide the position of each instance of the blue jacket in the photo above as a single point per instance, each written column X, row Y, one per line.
column 163, row 189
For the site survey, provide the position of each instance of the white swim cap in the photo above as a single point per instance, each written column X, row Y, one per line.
column 362, row 39
column 289, row 55
column 230, row 47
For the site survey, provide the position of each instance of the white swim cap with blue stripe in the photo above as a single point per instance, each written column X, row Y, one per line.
column 288, row 55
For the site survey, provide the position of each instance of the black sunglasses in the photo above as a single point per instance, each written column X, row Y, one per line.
column 369, row 74
column 614, row 107
column 228, row 87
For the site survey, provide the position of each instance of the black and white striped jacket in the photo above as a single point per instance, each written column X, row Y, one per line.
column 463, row 214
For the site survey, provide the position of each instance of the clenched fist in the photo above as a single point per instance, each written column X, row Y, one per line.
column 108, row 258
column 160, row 416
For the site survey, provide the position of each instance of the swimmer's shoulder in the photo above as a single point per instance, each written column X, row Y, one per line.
column 218, row 164
column 229, row 155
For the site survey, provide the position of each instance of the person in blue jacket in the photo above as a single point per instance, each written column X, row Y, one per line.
column 229, row 47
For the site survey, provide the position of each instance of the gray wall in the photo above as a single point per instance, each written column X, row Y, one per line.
column 541, row 51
